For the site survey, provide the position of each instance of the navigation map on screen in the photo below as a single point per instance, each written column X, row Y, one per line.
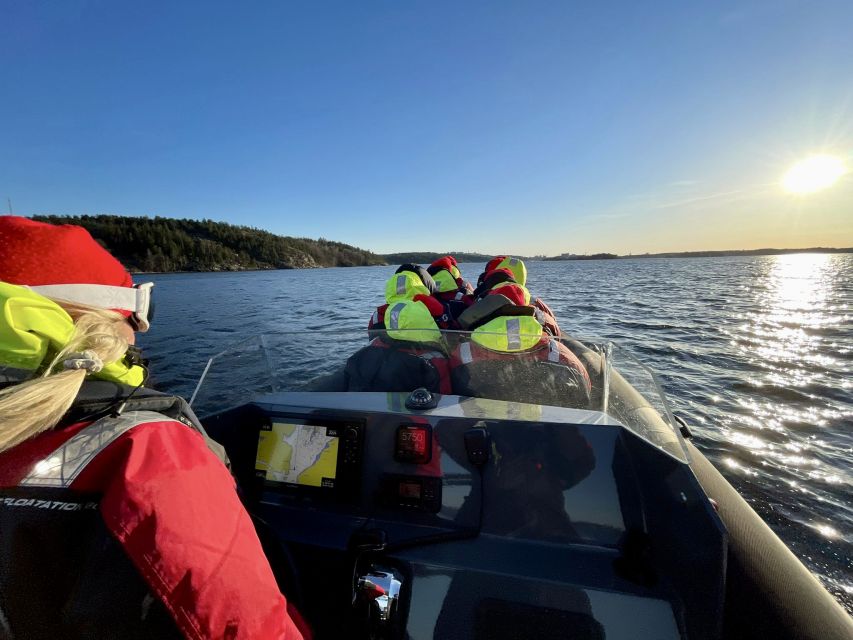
column 300, row 454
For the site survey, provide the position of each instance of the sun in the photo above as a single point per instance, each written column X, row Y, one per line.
column 813, row 174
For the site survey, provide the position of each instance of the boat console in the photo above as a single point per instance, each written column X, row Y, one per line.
column 474, row 518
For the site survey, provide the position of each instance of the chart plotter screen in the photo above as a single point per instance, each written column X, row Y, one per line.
column 298, row 454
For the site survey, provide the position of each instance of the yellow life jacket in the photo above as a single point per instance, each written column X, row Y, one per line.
column 516, row 265
column 411, row 321
column 508, row 334
column 404, row 286
column 446, row 281
column 34, row 328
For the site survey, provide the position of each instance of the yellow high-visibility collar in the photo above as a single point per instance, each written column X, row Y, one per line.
column 517, row 267
column 404, row 286
column 411, row 320
column 34, row 328
column 445, row 281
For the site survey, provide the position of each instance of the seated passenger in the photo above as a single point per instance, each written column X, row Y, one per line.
column 516, row 267
column 502, row 280
column 409, row 353
column 411, row 282
column 451, row 285
column 501, row 268
column 492, row 281
column 510, row 357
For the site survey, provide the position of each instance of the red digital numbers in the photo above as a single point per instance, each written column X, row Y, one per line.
column 413, row 444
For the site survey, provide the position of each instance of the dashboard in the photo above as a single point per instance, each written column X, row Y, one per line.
column 478, row 507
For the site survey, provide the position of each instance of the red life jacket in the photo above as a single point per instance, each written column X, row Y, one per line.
column 168, row 506
column 488, row 280
column 480, row 372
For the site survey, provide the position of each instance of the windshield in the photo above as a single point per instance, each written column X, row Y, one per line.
column 589, row 375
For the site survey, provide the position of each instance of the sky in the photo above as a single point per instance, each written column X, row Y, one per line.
column 497, row 127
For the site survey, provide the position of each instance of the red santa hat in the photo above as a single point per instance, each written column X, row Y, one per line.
column 64, row 262
column 35, row 253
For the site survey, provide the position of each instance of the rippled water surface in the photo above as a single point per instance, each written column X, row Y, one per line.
column 756, row 353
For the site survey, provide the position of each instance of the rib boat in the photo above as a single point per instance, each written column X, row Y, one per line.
column 517, row 509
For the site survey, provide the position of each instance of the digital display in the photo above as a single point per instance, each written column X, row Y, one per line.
column 410, row 490
column 414, row 444
column 298, row 454
column 419, row 492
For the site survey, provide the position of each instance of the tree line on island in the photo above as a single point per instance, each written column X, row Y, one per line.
column 166, row 244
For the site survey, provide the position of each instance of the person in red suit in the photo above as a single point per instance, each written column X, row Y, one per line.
column 118, row 515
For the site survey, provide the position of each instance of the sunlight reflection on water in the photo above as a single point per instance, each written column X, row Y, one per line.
column 776, row 340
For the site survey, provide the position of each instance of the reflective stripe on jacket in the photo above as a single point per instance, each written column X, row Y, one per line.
column 545, row 349
column 508, row 334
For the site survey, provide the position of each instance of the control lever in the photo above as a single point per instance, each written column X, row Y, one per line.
column 477, row 445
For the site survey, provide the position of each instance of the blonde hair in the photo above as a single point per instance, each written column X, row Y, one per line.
column 37, row 405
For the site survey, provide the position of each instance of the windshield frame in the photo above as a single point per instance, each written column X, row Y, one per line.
column 641, row 406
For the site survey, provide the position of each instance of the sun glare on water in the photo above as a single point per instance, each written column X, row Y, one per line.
column 813, row 174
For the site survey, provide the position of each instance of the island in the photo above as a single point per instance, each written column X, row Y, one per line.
column 166, row 244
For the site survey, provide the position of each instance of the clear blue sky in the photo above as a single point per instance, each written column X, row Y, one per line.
column 521, row 127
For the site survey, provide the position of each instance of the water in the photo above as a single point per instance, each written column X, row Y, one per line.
column 755, row 352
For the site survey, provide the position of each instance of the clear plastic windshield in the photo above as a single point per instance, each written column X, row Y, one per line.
column 589, row 375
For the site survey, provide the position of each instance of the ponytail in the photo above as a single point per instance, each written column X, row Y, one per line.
column 37, row 405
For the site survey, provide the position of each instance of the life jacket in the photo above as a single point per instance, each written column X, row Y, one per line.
column 449, row 281
column 497, row 278
column 408, row 353
column 439, row 311
column 33, row 326
column 488, row 280
column 510, row 357
column 129, row 526
column 411, row 282
column 508, row 334
column 515, row 266
column 546, row 317
column 407, row 281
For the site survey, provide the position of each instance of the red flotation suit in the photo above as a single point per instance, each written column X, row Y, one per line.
column 168, row 512
column 503, row 360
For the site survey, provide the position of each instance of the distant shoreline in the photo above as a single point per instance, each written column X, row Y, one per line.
column 169, row 245
column 741, row 252
column 424, row 256
column 684, row 254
